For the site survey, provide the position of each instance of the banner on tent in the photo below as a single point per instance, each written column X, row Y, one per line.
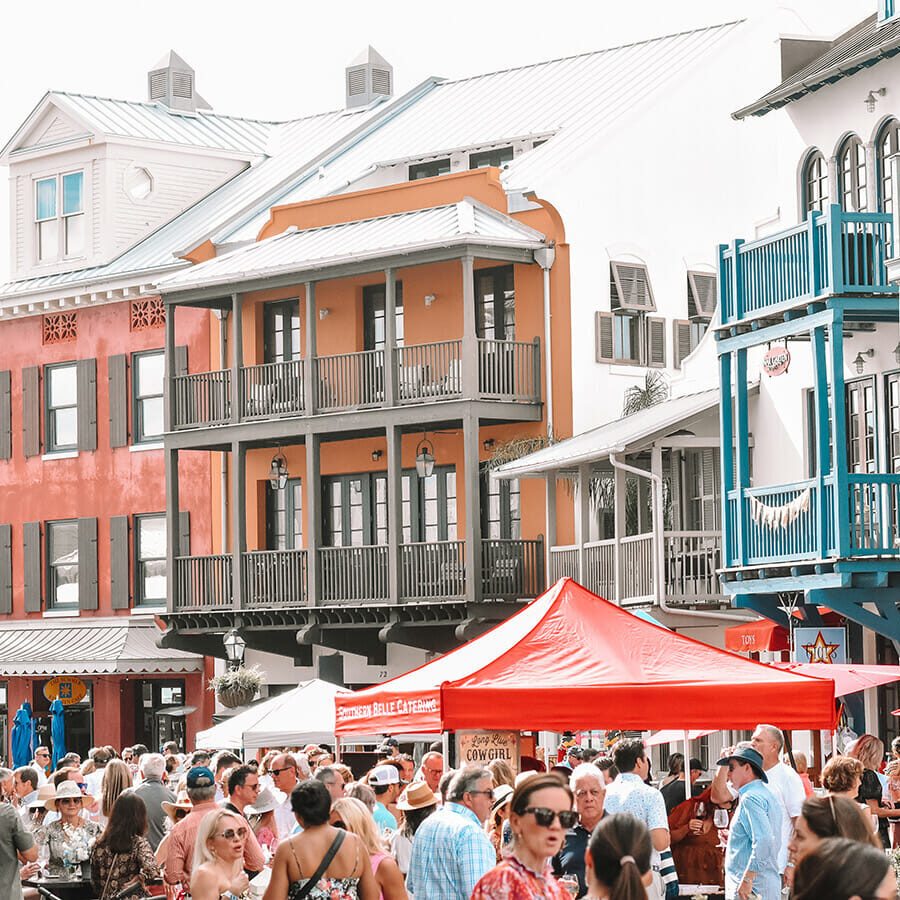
column 481, row 747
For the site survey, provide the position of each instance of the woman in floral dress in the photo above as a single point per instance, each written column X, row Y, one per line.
column 122, row 855
column 71, row 837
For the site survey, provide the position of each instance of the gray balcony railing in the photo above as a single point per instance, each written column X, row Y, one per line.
column 354, row 574
column 274, row 578
column 433, row 571
column 202, row 399
column 512, row 569
column 203, row 582
column 272, row 389
column 509, row 370
column 691, row 560
column 350, row 380
column 429, row 371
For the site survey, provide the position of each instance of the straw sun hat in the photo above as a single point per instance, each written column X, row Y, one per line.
column 45, row 792
column 183, row 802
column 68, row 789
column 416, row 796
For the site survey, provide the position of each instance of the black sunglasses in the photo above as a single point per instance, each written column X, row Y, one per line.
column 285, row 769
column 544, row 817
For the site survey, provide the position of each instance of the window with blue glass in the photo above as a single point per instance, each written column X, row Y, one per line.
column 59, row 216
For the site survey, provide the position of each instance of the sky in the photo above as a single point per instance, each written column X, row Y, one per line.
column 276, row 60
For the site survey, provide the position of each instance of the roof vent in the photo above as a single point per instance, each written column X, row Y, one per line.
column 369, row 77
column 171, row 83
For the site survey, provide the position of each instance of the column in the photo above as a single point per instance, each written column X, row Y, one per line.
column 619, row 532
column 839, row 435
column 584, row 520
column 390, row 338
column 238, row 519
column 313, row 500
column 470, row 362
column 473, row 507
column 309, row 369
column 169, row 384
column 658, row 518
column 237, row 356
column 394, row 512
column 726, row 442
column 822, row 460
column 742, row 450
column 550, row 526
column 172, row 530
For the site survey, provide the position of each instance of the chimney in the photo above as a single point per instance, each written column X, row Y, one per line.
column 369, row 77
column 171, row 83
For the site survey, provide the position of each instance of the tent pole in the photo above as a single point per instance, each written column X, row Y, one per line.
column 445, row 749
column 337, row 748
column 687, row 763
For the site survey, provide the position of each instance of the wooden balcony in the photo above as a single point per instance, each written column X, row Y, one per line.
column 423, row 373
column 690, row 561
column 851, row 516
column 834, row 253
column 434, row 571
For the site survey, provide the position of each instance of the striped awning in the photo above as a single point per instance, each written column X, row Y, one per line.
column 89, row 647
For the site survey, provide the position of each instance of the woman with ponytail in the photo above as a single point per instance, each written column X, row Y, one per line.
column 540, row 814
column 618, row 859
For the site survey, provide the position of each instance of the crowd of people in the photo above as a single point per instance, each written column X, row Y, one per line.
column 296, row 825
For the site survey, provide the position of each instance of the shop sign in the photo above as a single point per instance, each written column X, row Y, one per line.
column 480, row 747
column 820, row 645
column 776, row 361
column 65, row 688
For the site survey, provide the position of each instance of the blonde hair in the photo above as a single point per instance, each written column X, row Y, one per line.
column 869, row 750
column 209, row 825
column 116, row 779
column 501, row 773
column 800, row 762
column 359, row 821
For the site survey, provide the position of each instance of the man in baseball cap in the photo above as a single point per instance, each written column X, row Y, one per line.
column 751, row 855
column 385, row 782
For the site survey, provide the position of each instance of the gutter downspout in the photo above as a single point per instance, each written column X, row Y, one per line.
column 222, row 316
column 545, row 257
column 658, row 561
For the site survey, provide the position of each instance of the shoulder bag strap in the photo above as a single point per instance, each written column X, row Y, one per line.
column 326, row 862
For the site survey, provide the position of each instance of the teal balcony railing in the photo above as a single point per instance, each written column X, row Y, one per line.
column 835, row 253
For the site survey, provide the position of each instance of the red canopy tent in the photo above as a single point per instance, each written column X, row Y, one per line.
column 572, row 660
column 764, row 634
column 848, row 678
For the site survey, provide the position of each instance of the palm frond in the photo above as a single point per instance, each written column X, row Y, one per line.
column 653, row 391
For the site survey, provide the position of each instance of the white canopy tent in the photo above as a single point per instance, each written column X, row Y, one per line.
column 303, row 715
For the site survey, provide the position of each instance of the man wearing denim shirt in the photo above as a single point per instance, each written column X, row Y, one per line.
column 751, row 855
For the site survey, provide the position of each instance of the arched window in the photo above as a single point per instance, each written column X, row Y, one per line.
column 886, row 144
column 852, row 175
column 815, row 183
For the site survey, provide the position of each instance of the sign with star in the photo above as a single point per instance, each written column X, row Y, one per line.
column 820, row 645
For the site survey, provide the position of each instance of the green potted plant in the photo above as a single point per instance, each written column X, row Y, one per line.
column 238, row 686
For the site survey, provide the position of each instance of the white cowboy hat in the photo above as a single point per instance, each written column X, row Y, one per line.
column 267, row 800
column 69, row 789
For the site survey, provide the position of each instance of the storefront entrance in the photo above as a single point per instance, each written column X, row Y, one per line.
column 159, row 712
column 78, row 719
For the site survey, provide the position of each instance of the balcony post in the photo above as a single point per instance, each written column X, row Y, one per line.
column 618, row 531
column 169, row 401
column 309, row 389
column 472, row 488
column 237, row 358
column 814, row 262
column 584, row 521
column 836, row 246
column 742, row 450
column 390, row 338
column 238, row 519
column 313, row 500
column 822, row 462
column 394, row 513
column 550, row 496
column 726, row 431
column 471, row 362
column 658, row 521
column 839, row 442
column 737, row 294
column 173, row 589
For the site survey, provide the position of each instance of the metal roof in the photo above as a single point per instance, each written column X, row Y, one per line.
column 863, row 46
column 616, row 436
column 296, row 250
column 570, row 99
column 89, row 647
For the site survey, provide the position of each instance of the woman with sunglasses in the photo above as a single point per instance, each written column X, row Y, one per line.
column 71, row 836
column 218, row 864
column 122, row 856
column 841, row 869
column 540, row 814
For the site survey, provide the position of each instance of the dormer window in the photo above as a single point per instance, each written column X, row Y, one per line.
column 59, row 216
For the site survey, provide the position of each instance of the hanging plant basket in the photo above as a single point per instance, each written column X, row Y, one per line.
column 236, row 687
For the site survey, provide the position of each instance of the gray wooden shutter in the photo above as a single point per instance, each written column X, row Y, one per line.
column 604, row 341
column 118, row 400
column 31, row 544
column 703, row 292
column 709, row 487
column 184, row 533
column 119, row 582
column 31, row 411
column 87, row 563
column 181, row 360
column 5, row 569
column 681, row 340
column 5, row 415
column 656, row 342
column 633, row 286
column 86, row 377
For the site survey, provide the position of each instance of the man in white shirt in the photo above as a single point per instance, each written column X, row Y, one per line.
column 26, row 790
column 287, row 769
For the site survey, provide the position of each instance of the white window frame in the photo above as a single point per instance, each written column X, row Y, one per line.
column 61, row 218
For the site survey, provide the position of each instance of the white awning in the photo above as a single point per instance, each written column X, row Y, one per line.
column 89, row 647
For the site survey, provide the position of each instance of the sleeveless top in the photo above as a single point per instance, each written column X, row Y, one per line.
column 326, row 888
column 376, row 860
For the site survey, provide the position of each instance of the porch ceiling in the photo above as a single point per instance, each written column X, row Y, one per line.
column 461, row 224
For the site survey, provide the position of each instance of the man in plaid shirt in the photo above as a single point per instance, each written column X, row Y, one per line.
column 451, row 850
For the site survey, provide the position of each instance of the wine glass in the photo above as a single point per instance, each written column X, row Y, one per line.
column 720, row 818
column 700, row 811
column 43, row 857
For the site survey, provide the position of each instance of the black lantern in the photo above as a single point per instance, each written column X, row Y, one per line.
column 278, row 472
column 424, row 458
column 234, row 647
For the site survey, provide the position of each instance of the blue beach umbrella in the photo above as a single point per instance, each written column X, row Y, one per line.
column 58, row 730
column 21, row 737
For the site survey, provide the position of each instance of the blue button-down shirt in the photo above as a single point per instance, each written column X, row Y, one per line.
column 753, row 842
column 450, row 853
